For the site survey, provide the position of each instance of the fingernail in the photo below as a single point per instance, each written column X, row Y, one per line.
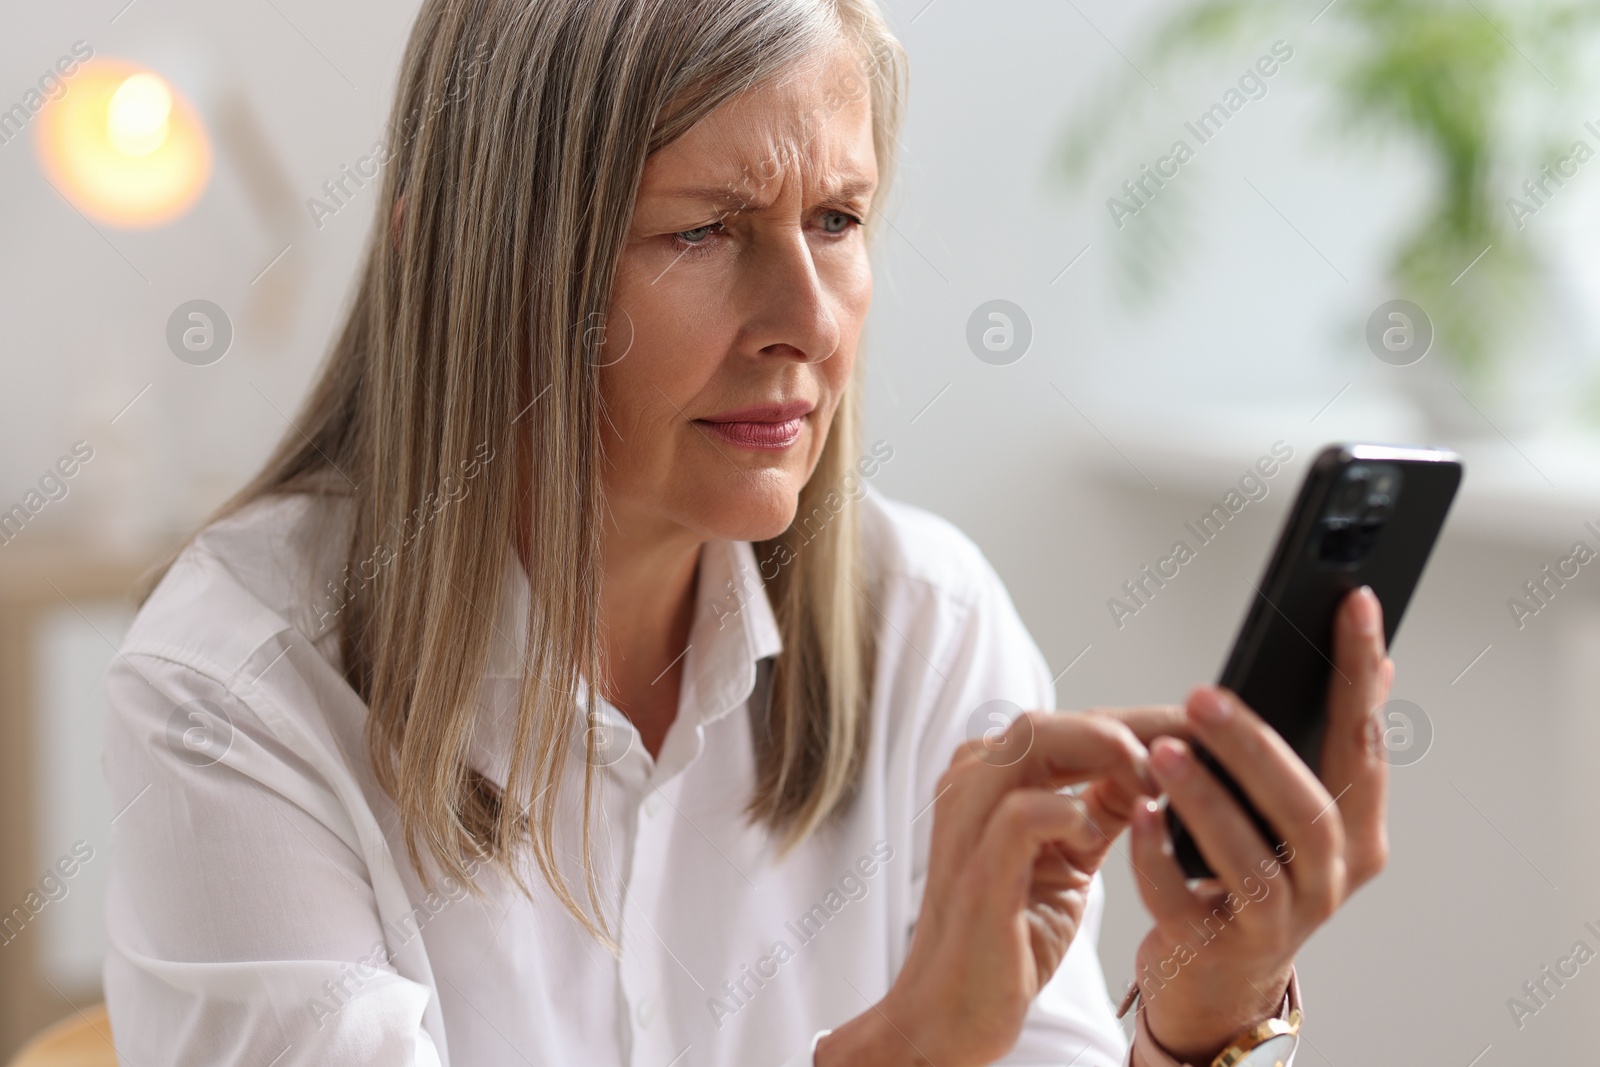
column 1144, row 812
column 1169, row 758
column 1212, row 707
column 1368, row 613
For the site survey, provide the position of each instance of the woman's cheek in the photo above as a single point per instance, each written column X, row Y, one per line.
column 824, row 428
column 854, row 300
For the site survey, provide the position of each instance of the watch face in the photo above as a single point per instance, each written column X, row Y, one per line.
column 1273, row 1052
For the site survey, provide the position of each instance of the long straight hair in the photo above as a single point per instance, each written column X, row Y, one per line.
column 460, row 405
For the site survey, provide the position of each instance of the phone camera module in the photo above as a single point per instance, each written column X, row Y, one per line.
column 1350, row 495
column 1358, row 507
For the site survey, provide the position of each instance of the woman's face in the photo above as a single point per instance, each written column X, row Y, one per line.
column 739, row 300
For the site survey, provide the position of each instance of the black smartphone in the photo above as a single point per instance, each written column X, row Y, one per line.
column 1366, row 515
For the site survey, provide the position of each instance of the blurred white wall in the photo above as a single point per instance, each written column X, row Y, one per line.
column 1071, row 467
column 1170, row 402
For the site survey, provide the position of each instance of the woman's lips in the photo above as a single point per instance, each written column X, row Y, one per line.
column 762, row 428
column 758, row 436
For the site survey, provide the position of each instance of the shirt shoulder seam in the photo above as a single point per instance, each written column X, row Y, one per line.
column 202, row 665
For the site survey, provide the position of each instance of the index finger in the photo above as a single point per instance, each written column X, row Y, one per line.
column 1070, row 747
column 1149, row 721
column 1058, row 749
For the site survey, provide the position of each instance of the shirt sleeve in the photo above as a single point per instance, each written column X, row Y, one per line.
column 993, row 666
column 807, row 1057
column 244, row 928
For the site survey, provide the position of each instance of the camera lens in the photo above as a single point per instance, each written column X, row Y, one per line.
column 1353, row 492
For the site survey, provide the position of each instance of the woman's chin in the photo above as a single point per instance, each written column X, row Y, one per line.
column 758, row 516
column 754, row 527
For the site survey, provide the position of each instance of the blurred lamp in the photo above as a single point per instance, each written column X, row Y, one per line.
column 124, row 147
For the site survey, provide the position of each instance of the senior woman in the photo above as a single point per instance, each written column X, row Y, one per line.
column 561, row 693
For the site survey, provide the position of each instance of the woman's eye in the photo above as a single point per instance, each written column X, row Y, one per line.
column 697, row 239
column 834, row 223
column 838, row 221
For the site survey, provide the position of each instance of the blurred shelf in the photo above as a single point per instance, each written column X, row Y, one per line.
column 41, row 576
column 1534, row 492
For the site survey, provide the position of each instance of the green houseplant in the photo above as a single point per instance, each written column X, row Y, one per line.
column 1454, row 80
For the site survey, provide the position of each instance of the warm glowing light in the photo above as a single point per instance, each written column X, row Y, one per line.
column 124, row 147
column 137, row 117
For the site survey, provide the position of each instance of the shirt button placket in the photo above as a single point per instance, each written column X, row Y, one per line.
column 640, row 951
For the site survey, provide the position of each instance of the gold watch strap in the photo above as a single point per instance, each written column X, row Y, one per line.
column 1288, row 1018
column 1257, row 1036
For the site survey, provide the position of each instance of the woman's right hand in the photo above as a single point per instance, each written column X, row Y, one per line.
column 1009, row 870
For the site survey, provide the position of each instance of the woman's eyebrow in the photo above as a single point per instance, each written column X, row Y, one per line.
column 721, row 195
column 726, row 194
column 848, row 188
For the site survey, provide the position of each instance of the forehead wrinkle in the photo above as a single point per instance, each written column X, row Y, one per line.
column 741, row 180
column 748, row 151
column 820, row 163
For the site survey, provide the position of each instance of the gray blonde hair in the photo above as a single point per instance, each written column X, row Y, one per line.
column 502, row 218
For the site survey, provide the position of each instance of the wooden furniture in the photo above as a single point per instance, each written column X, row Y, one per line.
column 40, row 574
column 82, row 1040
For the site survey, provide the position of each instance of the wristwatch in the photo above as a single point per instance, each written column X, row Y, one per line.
column 1266, row 1044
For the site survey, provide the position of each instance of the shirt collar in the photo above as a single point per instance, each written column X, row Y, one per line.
column 733, row 629
column 733, row 619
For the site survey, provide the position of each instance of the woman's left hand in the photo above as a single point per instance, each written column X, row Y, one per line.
column 1220, row 956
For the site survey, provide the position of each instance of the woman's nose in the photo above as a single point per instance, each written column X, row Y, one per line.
column 793, row 308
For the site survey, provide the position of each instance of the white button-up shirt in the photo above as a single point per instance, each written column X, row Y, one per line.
column 263, row 910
